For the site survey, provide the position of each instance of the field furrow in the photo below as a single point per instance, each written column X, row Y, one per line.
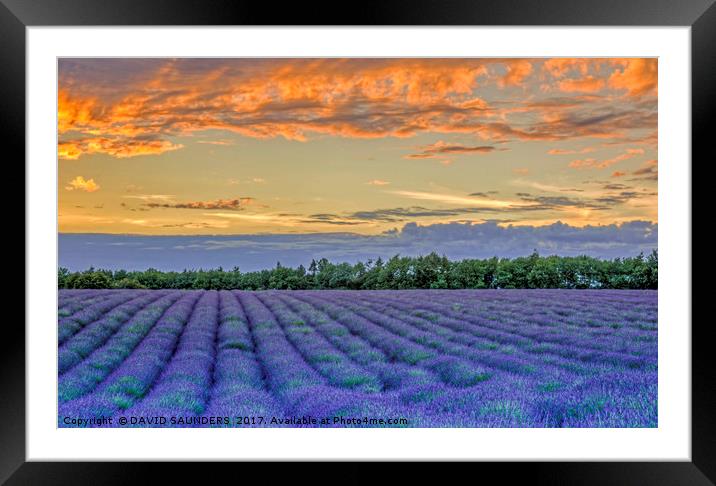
column 564, row 341
column 339, row 369
column 435, row 358
column 70, row 325
column 287, row 373
column 68, row 304
column 477, row 346
column 302, row 390
column 135, row 376
column 393, row 374
column 408, row 345
column 578, row 357
column 85, row 376
column 239, row 388
column 95, row 334
column 182, row 388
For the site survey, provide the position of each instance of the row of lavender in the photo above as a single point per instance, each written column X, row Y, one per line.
column 491, row 358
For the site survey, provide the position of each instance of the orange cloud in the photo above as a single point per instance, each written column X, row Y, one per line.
column 221, row 142
column 560, row 67
column 79, row 183
column 593, row 163
column 588, row 84
column 117, row 147
column 441, row 148
column 378, row 182
column 648, row 169
column 583, row 163
column 517, row 72
column 585, row 150
column 576, row 75
column 637, row 76
column 125, row 108
column 75, row 112
column 319, row 95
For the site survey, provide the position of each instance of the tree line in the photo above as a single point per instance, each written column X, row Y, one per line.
column 399, row 272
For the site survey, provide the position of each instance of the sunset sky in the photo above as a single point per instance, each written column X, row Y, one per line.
column 244, row 146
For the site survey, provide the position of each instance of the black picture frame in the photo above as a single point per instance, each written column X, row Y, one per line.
column 700, row 15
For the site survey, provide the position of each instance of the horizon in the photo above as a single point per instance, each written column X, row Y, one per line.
column 78, row 251
column 498, row 224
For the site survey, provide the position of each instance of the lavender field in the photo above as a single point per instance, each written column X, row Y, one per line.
column 413, row 358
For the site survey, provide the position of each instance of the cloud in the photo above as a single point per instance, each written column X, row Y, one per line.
column 80, row 184
column 525, row 204
column 483, row 194
column 624, row 197
column 541, row 186
column 584, row 150
column 576, row 75
column 589, row 84
column 559, row 237
column 517, row 72
column 648, row 171
column 131, row 107
column 222, row 142
column 521, row 171
column 224, row 204
column 591, row 163
column 378, row 182
column 119, row 147
column 147, row 223
column 253, row 180
column 151, row 197
column 553, row 202
column 263, row 218
column 265, row 98
column 198, row 225
column 584, row 163
column 649, row 140
column 440, row 148
column 649, row 167
column 614, row 187
column 592, row 203
column 412, row 212
column 560, row 67
column 453, row 199
column 455, row 240
column 637, row 76
column 331, row 219
column 601, row 121
column 138, row 222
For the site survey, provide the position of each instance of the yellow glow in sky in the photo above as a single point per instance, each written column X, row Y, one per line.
column 235, row 146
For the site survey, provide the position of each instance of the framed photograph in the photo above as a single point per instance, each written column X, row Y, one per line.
column 446, row 233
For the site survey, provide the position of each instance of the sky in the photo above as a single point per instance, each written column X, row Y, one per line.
column 373, row 147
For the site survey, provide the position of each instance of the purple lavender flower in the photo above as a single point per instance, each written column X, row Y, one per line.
column 426, row 358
